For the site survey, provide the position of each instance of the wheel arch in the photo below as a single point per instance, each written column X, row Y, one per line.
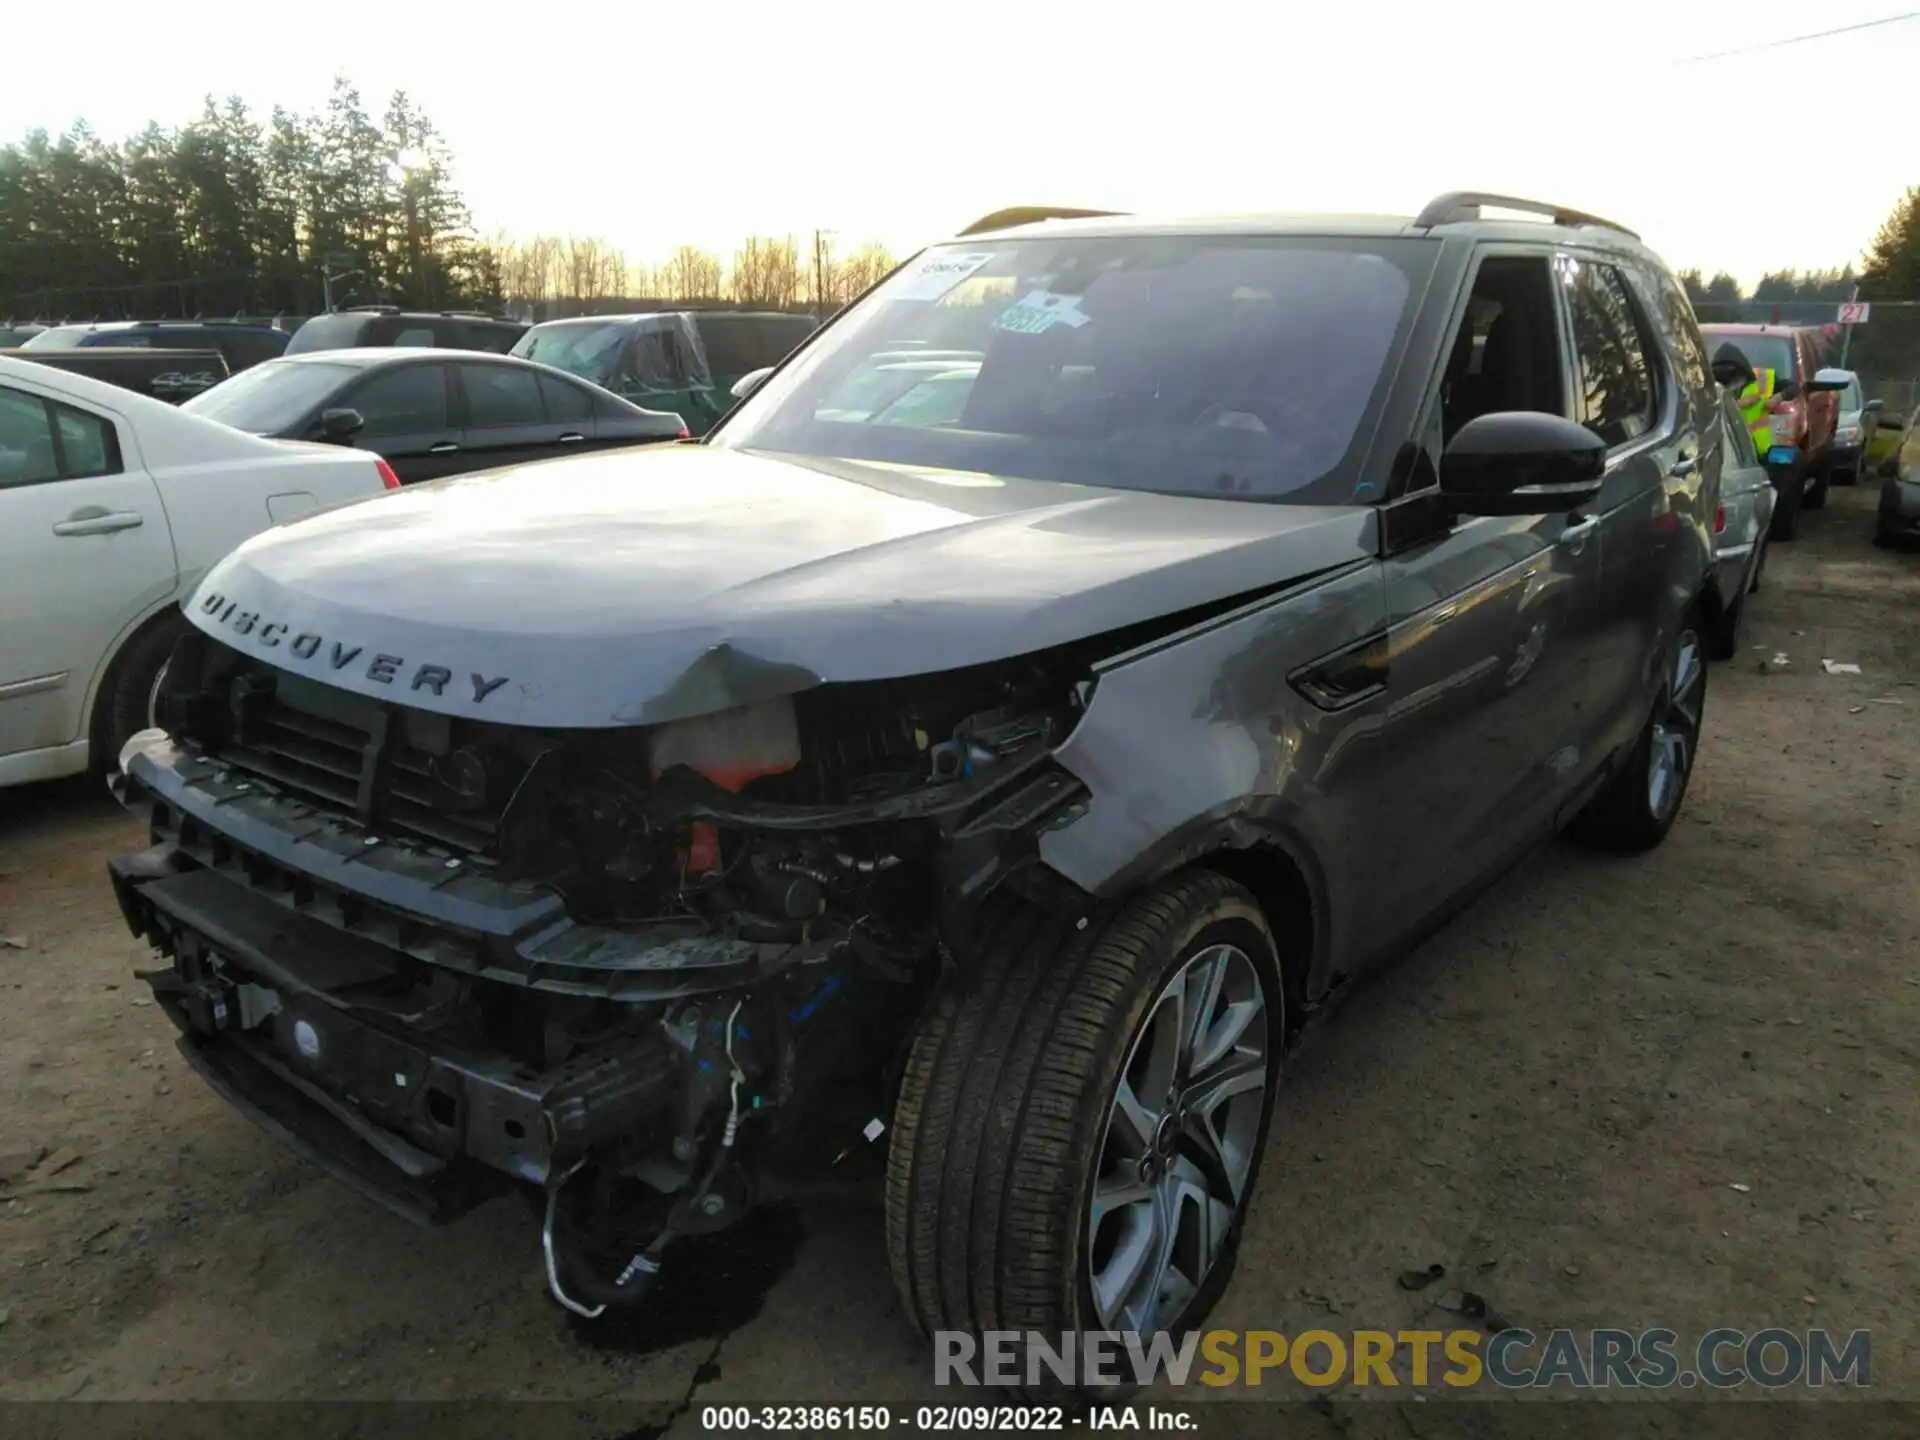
column 1277, row 867
column 108, row 671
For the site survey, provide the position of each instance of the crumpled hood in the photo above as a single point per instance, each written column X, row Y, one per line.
column 635, row 587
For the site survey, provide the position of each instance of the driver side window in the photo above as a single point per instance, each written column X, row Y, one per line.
column 1506, row 353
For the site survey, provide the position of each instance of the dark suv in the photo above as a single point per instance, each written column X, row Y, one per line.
column 240, row 343
column 1017, row 755
column 366, row 325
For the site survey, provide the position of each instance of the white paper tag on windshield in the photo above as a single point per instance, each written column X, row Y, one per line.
column 933, row 275
column 1038, row 311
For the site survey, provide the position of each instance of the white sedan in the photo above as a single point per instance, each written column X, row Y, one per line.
column 112, row 506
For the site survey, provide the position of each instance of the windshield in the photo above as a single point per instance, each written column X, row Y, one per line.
column 1219, row 365
column 270, row 398
column 589, row 351
column 1763, row 352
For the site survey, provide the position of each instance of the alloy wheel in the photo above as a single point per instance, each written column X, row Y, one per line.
column 1676, row 729
column 1180, row 1141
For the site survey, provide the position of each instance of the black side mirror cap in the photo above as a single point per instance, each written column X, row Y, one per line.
column 1521, row 462
column 1788, row 391
column 1730, row 368
column 340, row 424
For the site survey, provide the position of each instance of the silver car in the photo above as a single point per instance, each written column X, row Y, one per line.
column 1853, row 433
column 1740, row 523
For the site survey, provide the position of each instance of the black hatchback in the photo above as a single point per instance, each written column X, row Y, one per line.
column 430, row 413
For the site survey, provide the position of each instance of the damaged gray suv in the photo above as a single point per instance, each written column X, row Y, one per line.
column 1050, row 685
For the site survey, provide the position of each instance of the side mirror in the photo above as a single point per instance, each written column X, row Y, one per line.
column 1788, row 391
column 750, row 382
column 1826, row 381
column 1873, row 404
column 340, row 425
column 1730, row 368
column 1520, row 462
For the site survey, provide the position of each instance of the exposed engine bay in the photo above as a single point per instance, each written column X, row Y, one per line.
column 641, row 973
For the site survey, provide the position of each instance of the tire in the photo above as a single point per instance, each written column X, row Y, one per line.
column 1009, row 1117
column 1816, row 491
column 1759, row 566
column 1786, row 506
column 125, row 705
column 1633, row 812
column 1723, row 637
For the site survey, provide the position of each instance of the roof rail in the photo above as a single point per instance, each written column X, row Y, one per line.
column 1029, row 215
column 1458, row 205
column 373, row 309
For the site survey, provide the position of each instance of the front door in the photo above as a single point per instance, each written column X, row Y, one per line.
column 408, row 415
column 1490, row 629
column 85, row 551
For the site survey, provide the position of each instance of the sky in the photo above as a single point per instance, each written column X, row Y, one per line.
column 902, row 120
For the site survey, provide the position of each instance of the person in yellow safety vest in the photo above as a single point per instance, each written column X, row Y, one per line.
column 1753, row 408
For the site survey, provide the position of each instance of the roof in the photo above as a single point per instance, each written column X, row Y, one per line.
column 365, row 357
column 1456, row 213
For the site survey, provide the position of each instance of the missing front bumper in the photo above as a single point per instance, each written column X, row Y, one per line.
column 295, row 1024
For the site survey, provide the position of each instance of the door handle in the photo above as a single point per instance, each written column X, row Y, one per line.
column 97, row 520
column 1574, row 537
column 445, row 447
column 571, row 439
column 1684, row 467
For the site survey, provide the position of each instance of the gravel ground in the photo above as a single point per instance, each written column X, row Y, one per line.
column 1677, row 1090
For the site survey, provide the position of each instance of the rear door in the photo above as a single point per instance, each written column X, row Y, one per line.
column 569, row 406
column 85, row 551
column 408, row 410
column 1625, row 393
column 506, row 417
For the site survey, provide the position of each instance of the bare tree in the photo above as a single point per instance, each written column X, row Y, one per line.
column 766, row 272
column 692, row 274
column 863, row 269
column 594, row 269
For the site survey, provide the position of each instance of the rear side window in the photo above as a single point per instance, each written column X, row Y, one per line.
column 43, row 440
column 402, row 400
column 417, row 336
column 245, row 346
column 502, row 395
column 564, row 401
column 1616, row 393
column 491, row 336
column 141, row 339
column 1682, row 329
column 333, row 332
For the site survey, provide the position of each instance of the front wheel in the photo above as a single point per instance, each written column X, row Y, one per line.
column 1082, row 1118
column 131, row 692
column 1638, row 806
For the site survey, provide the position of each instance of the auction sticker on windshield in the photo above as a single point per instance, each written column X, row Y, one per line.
column 938, row 273
column 1039, row 311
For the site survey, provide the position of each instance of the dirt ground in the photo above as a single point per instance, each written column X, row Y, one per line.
column 1557, row 1096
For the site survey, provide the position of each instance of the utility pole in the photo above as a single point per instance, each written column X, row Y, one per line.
column 822, row 245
